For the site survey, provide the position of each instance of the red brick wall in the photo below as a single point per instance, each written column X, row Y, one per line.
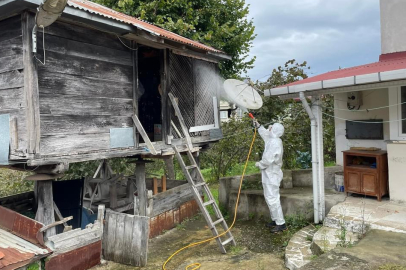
column 171, row 218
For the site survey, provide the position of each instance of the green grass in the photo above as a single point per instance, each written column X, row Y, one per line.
column 329, row 164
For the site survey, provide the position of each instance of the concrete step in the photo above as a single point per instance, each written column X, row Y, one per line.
column 359, row 215
column 298, row 252
column 326, row 239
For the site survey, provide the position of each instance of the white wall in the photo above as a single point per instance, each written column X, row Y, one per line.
column 393, row 30
column 371, row 99
column 397, row 171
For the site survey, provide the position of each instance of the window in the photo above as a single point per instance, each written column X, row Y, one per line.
column 239, row 113
column 223, row 114
column 403, row 108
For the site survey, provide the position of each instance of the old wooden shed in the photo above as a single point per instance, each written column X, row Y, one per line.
column 102, row 85
column 100, row 68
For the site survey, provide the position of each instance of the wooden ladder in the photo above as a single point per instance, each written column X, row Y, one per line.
column 198, row 184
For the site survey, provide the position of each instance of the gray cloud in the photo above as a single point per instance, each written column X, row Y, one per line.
column 325, row 33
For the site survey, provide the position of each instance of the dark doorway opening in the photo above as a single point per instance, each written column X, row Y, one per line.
column 149, row 99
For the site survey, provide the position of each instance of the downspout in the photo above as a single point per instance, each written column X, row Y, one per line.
column 313, row 126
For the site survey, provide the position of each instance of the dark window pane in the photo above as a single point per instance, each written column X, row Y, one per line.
column 403, row 109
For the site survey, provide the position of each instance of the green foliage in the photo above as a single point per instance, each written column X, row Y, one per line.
column 296, row 222
column 12, row 182
column 223, row 156
column 304, row 159
column 221, row 24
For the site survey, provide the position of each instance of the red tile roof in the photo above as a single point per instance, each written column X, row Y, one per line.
column 112, row 14
column 387, row 62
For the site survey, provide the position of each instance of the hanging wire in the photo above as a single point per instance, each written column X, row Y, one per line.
column 126, row 44
column 365, row 122
column 363, row 110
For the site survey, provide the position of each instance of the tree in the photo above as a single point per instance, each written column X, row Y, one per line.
column 222, row 24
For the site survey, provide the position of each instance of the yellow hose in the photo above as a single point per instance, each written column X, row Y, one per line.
column 197, row 265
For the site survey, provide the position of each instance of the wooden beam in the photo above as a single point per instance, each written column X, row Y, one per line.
column 144, row 135
column 141, row 188
column 56, row 223
column 135, row 88
column 45, row 211
column 181, row 121
column 30, row 85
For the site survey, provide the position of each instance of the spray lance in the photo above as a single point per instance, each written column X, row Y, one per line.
column 254, row 121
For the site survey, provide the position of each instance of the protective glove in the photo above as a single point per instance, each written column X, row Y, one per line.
column 256, row 124
column 257, row 164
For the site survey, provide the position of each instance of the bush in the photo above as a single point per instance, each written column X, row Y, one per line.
column 12, row 182
column 223, row 157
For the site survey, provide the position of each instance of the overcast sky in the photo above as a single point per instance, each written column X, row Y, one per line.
column 328, row 34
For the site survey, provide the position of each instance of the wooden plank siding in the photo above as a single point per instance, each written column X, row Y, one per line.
column 12, row 100
column 85, row 88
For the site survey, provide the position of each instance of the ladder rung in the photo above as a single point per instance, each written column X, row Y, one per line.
column 200, row 184
column 227, row 241
column 190, row 167
column 208, row 203
column 218, row 221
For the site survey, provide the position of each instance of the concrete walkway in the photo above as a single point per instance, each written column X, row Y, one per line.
column 362, row 214
column 376, row 249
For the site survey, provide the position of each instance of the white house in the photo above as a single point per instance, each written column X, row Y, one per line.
column 374, row 92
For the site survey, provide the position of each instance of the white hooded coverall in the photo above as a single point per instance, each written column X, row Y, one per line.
column 271, row 169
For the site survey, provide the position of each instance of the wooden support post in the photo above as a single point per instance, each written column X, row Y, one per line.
column 130, row 190
column 100, row 216
column 170, row 168
column 163, row 183
column 45, row 211
column 194, row 173
column 155, row 185
column 141, row 187
column 113, row 195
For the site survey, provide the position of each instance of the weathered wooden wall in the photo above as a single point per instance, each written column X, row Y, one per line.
column 125, row 238
column 85, row 88
column 12, row 78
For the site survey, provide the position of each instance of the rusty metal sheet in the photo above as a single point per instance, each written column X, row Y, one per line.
column 13, row 258
column 79, row 259
column 21, row 226
column 155, row 30
column 7, row 218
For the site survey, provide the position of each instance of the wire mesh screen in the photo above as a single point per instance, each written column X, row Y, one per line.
column 181, row 86
column 206, row 84
column 194, row 83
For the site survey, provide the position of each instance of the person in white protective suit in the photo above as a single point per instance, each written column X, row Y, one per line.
column 271, row 170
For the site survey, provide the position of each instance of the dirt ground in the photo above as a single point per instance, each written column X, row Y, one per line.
column 256, row 248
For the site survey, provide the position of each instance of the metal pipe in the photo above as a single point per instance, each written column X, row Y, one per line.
column 313, row 126
column 320, row 157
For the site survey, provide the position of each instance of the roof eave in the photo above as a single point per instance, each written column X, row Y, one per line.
column 399, row 74
column 11, row 7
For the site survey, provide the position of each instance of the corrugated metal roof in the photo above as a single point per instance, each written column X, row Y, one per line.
column 389, row 67
column 390, row 62
column 16, row 251
column 153, row 29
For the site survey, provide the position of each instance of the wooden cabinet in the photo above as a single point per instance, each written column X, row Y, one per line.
column 366, row 172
